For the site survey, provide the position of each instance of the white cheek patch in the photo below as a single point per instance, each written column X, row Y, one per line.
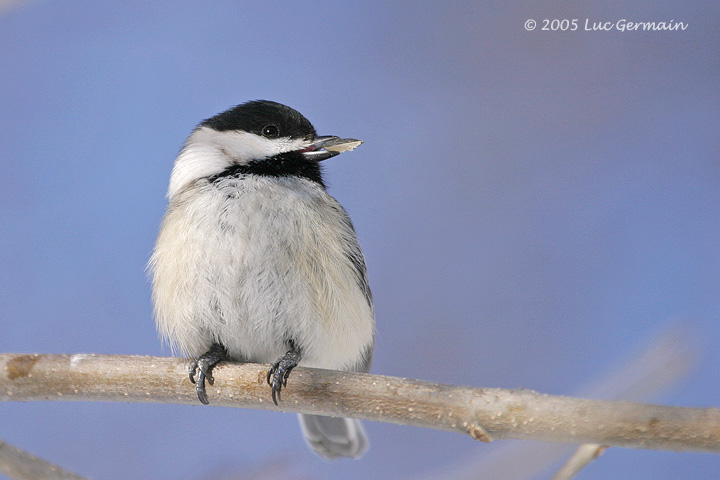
column 208, row 152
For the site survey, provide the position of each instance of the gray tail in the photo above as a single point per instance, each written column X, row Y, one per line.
column 333, row 437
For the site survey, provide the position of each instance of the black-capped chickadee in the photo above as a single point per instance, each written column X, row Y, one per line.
column 255, row 262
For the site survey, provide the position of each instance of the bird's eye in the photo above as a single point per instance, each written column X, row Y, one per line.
column 270, row 131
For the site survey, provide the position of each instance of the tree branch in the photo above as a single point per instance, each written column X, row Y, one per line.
column 483, row 413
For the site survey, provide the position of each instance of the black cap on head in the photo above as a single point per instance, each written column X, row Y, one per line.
column 259, row 116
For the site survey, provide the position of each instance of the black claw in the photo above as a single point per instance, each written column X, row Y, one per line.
column 279, row 372
column 203, row 368
column 200, row 389
column 275, row 400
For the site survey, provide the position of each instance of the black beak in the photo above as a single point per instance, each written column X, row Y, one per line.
column 323, row 148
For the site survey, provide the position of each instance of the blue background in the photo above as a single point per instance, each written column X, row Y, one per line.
column 533, row 206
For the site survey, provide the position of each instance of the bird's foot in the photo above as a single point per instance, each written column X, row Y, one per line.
column 203, row 367
column 280, row 370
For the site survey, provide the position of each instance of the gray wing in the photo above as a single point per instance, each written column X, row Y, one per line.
column 332, row 437
column 358, row 261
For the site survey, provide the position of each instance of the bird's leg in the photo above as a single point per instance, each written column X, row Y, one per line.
column 203, row 367
column 280, row 370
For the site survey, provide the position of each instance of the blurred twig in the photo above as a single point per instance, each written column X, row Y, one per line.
column 484, row 414
column 20, row 465
column 582, row 457
column 6, row 5
column 667, row 357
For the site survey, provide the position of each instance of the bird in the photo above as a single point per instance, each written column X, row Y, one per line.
column 256, row 262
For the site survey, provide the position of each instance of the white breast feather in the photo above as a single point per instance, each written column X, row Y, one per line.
column 260, row 261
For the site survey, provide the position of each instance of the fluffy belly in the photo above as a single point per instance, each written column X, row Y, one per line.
column 270, row 268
